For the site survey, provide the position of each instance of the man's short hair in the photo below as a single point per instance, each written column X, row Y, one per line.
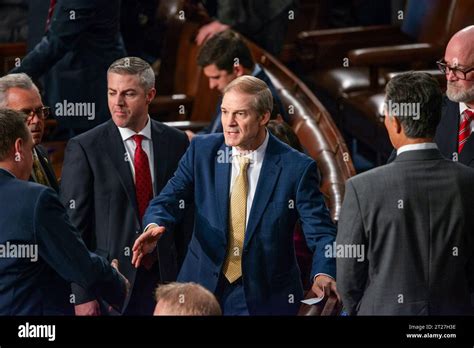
column 12, row 127
column 20, row 80
column 135, row 66
column 263, row 99
column 187, row 299
column 416, row 99
column 225, row 50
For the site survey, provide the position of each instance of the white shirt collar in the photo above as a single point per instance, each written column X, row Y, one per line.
column 257, row 155
column 413, row 147
column 463, row 107
column 127, row 133
column 256, row 70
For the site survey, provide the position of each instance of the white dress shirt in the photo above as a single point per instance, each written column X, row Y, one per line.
column 253, row 171
column 413, row 147
column 147, row 145
column 462, row 108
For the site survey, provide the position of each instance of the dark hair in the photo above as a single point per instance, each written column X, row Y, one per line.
column 224, row 50
column 12, row 127
column 415, row 98
column 284, row 133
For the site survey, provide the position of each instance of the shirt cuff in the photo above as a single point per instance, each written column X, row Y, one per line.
column 314, row 278
column 150, row 225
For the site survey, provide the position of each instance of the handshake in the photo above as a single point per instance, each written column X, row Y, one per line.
column 144, row 245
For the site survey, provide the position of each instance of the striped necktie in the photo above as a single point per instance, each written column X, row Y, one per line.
column 465, row 129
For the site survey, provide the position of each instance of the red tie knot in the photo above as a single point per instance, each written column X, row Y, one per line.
column 469, row 114
column 138, row 139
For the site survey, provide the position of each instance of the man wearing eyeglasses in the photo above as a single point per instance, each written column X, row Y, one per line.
column 453, row 135
column 18, row 92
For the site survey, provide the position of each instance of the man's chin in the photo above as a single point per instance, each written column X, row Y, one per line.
column 37, row 140
column 456, row 95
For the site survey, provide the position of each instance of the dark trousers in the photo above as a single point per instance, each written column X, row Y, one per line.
column 231, row 297
column 142, row 299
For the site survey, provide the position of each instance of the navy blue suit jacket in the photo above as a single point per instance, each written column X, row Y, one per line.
column 31, row 214
column 82, row 41
column 216, row 126
column 287, row 190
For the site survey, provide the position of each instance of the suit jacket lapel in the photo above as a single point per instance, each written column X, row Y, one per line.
column 265, row 187
column 113, row 147
column 47, row 168
column 447, row 132
column 222, row 171
column 161, row 147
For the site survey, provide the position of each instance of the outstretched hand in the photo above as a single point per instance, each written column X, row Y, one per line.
column 146, row 243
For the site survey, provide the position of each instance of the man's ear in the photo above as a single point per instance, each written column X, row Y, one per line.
column 265, row 118
column 238, row 70
column 19, row 149
column 150, row 95
column 397, row 125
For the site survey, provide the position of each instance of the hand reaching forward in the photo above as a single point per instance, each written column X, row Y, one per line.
column 324, row 286
column 146, row 243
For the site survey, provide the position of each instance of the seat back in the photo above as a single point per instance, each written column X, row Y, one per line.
column 314, row 127
column 10, row 53
column 435, row 21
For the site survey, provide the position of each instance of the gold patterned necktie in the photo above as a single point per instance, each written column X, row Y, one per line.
column 237, row 218
column 40, row 176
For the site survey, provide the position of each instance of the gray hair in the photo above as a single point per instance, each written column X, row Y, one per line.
column 263, row 99
column 415, row 99
column 135, row 66
column 12, row 127
column 187, row 299
column 20, row 80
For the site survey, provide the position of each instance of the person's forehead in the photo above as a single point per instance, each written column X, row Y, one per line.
column 122, row 79
column 213, row 70
column 458, row 55
column 237, row 99
column 20, row 96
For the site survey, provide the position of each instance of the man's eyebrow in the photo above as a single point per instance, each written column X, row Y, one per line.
column 124, row 91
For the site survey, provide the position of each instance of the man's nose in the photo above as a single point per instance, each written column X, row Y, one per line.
column 450, row 76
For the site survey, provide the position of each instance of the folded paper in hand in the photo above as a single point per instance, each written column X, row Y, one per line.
column 313, row 300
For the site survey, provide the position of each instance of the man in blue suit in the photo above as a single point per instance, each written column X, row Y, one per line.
column 249, row 190
column 41, row 253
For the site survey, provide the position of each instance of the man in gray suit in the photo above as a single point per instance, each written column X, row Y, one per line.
column 405, row 239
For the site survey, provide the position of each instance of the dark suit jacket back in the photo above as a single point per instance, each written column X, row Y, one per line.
column 73, row 57
column 414, row 217
column 31, row 214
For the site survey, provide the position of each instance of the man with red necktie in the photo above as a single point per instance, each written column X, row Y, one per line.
column 453, row 135
column 111, row 173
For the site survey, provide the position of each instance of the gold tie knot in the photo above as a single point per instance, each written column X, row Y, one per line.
column 243, row 162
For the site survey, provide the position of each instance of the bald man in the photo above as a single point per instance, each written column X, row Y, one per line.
column 453, row 134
